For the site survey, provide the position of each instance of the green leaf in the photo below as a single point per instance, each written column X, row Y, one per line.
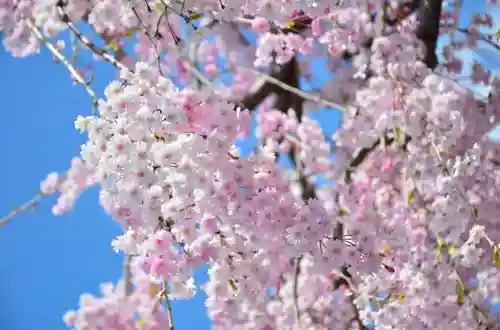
column 131, row 32
column 154, row 289
column 160, row 6
column 496, row 256
column 194, row 16
column 345, row 98
column 451, row 249
column 439, row 247
column 342, row 212
column 113, row 45
column 232, row 284
column 440, row 242
column 399, row 133
column 411, row 196
column 460, row 293
column 385, row 250
column 475, row 212
column 443, row 154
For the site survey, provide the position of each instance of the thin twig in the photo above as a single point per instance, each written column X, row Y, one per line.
column 169, row 307
column 159, row 296
column 196, row 73
column 482, row 37
column 29, row 205
column 127, row 275
column 163, row 294
column 148, row 35
column 61, row 58
column 357, row 317
column 306, row 96
column 89, row 44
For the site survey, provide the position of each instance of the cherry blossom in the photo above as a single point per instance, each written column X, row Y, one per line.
column 385, row 223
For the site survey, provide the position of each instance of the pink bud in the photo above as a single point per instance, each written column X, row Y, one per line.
column 362, row 187
column 162, row 239
column 295, row 13
column 260, row 25
column 209, row 224
column 145, row 264
column 386, row 165
column 211, row 69
column 159, row 267
column 290, row 125
column 49, row 185
column 316, row 27
column 419, row 235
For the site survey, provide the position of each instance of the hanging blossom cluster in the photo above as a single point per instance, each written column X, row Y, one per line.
column 407, row 236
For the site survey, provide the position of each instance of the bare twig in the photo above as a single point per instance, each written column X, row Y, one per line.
column 29, row 205
column 147, row 34
column 169, row 307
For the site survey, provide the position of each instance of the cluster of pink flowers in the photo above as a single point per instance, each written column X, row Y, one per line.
column 419, row 214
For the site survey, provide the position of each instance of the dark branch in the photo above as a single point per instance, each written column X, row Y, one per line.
column 428, row 29
column 489, row 39
column 262, row 88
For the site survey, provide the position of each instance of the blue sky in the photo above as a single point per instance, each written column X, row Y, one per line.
column 47, row 261
column 485, row 54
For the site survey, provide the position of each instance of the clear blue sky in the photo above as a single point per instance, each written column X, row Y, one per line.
column 47, row 261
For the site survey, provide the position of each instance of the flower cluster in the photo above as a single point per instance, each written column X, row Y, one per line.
column 405, row 234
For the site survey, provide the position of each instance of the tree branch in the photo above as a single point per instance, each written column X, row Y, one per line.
column 277, row 83
column 127, row 276
column 169, row 308
column 490, row 40
column 263, row 87
column 428, row 29
column 23, row 208
column 295, row 290
column 114, row 60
